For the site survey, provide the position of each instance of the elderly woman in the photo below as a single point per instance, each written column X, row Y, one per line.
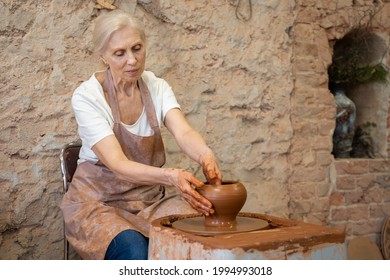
column 118, row 187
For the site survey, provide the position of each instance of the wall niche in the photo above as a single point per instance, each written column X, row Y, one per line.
column 358, row 68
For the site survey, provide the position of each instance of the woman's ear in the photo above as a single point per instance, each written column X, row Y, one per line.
column 105, row 62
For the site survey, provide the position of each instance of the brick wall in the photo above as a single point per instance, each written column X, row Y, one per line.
column 360, row 201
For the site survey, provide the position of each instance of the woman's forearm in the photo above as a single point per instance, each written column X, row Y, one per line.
column 193, row 144
column 141, row 174
column 188, row 139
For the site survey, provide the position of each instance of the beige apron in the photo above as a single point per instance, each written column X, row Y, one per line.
column 99, row 204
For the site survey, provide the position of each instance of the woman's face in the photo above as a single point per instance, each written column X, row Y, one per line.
column 125, row 55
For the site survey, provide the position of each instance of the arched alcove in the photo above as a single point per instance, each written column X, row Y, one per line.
column 358, row 49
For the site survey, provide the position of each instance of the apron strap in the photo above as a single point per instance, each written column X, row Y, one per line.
column 149, row 106
column 112, row 98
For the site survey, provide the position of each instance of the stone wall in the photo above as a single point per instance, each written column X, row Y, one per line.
column 256, row 90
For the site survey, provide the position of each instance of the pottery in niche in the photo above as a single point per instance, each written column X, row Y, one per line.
column 345, row 123
column 227, row 199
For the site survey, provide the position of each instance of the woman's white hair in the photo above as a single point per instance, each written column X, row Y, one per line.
column 106, row 24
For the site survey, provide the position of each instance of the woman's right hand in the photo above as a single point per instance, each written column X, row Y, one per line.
column 184, row 182
column 210, row 169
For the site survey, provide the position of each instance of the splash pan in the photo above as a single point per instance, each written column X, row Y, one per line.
column 196, row 226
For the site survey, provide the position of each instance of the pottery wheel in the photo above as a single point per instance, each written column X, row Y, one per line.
column 196, row 226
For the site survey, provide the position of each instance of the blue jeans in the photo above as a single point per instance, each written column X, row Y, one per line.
column 128, row 245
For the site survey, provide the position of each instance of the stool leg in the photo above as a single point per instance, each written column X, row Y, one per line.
column 66, row 249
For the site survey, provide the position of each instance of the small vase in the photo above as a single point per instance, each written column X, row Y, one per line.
column 227, row 199
column 345, row 124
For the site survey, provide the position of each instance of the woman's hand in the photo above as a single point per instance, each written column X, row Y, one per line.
column 211, row 170
column 183, row 181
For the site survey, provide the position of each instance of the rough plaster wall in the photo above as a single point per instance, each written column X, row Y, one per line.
column 43, row 57
column 233, row 79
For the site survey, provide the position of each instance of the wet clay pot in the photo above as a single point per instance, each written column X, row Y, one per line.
column 227, row 199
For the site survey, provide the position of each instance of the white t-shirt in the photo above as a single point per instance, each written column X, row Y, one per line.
column 94, row 116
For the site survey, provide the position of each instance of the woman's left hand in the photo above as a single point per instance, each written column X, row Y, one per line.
column 211, row 170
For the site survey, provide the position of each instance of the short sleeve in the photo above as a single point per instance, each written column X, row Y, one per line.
column 169, row 101
column 93, row 125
